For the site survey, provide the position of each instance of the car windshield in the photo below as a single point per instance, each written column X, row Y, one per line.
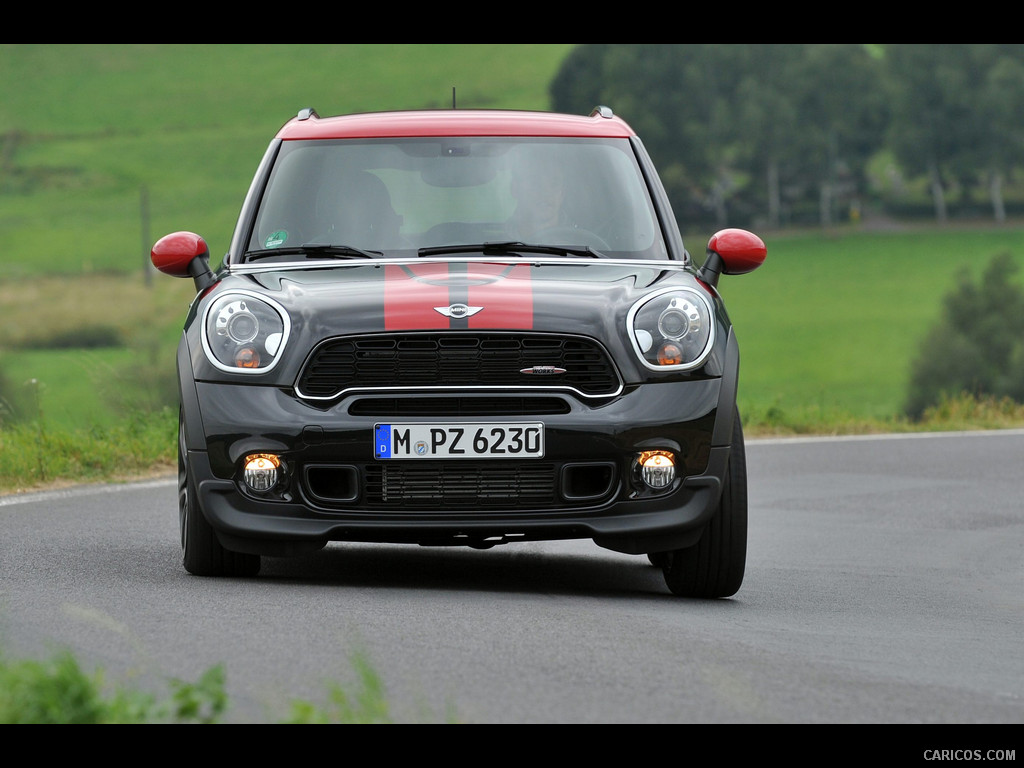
column 397, row 196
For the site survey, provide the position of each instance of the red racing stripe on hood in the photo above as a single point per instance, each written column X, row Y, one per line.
column 410, row 295
column 506, row 296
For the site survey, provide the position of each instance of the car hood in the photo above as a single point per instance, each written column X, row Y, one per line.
column 565, row 296
column 457, row 294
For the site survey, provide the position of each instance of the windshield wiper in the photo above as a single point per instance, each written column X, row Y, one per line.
column 314, row 251
column 513, row 246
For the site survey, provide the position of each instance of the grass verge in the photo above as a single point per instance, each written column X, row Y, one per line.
column 38, row 455
column 58, row 691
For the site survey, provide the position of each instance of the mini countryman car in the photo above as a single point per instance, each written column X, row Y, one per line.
column 468, row 327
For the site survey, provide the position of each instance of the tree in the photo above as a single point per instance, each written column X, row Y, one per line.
column 767, row 114
column 958, row 115
column 745, row 130
column 924, row 80
column 841, row 118
column 681, row 100
column 576, row 88
column 977, row 344
column 734, row 125
column 1000, row 118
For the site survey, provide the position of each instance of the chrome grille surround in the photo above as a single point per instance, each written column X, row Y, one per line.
column 457, row 360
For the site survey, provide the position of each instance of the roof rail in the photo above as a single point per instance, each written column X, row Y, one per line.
column 307, row 112
column 602, row 111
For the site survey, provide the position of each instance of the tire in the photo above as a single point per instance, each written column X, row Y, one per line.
column 202, row 553
column 659, row 559
column 714, row 566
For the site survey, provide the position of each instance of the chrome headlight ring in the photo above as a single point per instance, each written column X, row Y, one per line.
column 244, row 332
column 672, row 329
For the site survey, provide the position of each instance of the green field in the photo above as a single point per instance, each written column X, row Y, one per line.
column 108, row 147
column 95, row 133
column 829, row 326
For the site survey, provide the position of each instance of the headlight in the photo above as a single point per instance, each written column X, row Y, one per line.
column 245, row 333
column 673, row 330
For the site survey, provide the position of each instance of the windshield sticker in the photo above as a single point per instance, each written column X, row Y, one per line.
column 274, row 239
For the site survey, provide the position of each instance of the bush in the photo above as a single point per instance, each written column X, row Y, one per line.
column 368, row 707
column 58, row 692
column 977, row 345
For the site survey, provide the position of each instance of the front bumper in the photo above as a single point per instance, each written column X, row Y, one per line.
column 592, row 492
column 589, row 485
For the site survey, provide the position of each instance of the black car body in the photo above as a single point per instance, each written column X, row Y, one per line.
column 391, row 351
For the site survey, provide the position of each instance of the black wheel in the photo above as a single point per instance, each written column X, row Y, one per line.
column 659, row 559
column 713, row 567
column 202, row 553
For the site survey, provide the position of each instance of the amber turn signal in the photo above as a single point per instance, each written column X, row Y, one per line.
column 247, row 357
column 670, row 354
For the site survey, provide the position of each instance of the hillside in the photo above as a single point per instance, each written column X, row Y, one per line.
column 96, row 138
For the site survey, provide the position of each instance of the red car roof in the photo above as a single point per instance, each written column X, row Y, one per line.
column 454, row 122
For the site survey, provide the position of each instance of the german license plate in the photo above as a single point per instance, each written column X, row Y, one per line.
column 459, row 441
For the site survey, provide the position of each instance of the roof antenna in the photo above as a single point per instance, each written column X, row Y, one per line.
column 453, row 97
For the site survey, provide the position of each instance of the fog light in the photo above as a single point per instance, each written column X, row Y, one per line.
column 657, row 468
column 261, row 471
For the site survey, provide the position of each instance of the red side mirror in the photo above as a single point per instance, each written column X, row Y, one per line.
column 174, row 253
column 733, row 252
column 741, row 251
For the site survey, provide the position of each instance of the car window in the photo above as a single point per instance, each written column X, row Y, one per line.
column 403, row 194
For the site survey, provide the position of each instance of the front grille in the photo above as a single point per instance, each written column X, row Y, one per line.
column 460, row 486
column 457, row 360
column 454, row 485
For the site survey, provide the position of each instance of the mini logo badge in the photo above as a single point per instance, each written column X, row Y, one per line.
column 543, row 370
column 457, row 310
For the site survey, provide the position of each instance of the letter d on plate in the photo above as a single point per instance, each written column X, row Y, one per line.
column 382, row 441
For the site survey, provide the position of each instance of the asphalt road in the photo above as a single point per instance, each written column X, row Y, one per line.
column 883, row 585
